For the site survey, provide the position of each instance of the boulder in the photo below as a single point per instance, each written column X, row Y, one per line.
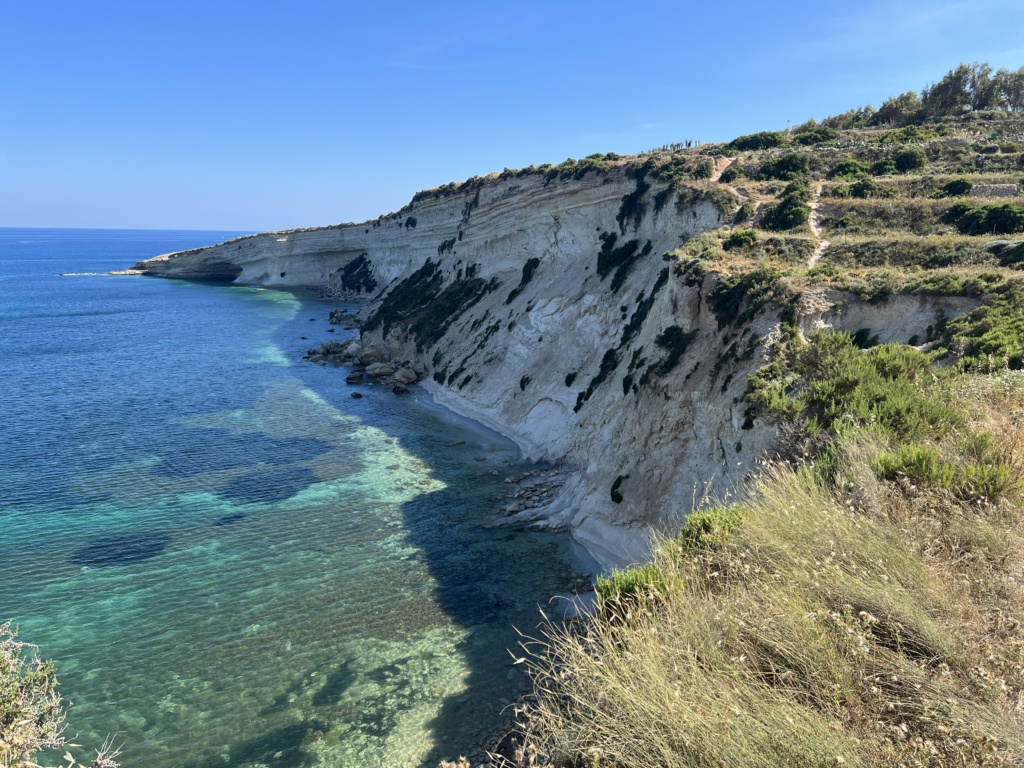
column 372, row 355
column 354, row 378
column 379, row 370
column 406, row 376
column 399, row 389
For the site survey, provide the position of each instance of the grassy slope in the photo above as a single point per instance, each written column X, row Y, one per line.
column 863, row 605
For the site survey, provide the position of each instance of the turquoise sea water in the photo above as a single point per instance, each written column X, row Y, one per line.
column 233, row 562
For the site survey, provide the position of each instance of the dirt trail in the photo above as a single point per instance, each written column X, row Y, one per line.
column 815, row 223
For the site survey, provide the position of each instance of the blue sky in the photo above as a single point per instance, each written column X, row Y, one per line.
column 259, row 115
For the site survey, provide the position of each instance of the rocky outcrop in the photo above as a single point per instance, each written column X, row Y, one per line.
column 545, row 309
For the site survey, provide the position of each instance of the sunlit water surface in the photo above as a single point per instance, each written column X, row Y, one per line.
column 234, row 562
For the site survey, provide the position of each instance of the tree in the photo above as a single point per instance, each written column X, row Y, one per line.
column 950, row 95
column 968, row 87
column 899, row 110
column 1010, row 87
column 31, row 710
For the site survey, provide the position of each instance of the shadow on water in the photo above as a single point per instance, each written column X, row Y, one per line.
column 281, row 747
column 121, row 549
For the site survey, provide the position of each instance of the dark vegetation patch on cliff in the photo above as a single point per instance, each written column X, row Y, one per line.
column 425, row 306
column 357, row 276
column 528, row 269
column 612, row 357
column 621, row 258
column 738, row 298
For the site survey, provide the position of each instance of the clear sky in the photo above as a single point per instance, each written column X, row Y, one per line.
column 268, row 115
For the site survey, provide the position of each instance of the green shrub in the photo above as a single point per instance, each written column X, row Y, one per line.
column 785, row 167
column 1012, row 256
column 864, row 188
column 907, row 134
column 737, row 298
column 732, row 173
column 745, row 213
column 756, row 141
column 884, row 167
column 792, row 210
column 709, row 528
column 830, row 385
column 991, row 337
column 741, row 238
column 818, row 135
column 637, row 581
column 704, row 169
column 848, row 169
column 910, row 159
column 956, row 188
column 994, row 219
column 920, row 464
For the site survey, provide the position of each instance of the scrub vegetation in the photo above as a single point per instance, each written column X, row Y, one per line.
column 32, row 712
column 862, row 602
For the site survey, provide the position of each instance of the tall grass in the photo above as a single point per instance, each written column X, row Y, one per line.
column 869, row 615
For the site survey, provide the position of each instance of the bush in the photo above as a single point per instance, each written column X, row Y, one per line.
column 792, row 210
column 705, row 169
column 737, row 298
column 635, row 582
column 741, row 238
column 956, row 188
column 864, row 188
column 991, row 337
column 745, row 213
column 732, row 173
column 848, row 169
column 831, row 385
column 31, row 710
column 756, row 141
column 786, row 167
column 910, row 159
column 920, row 464
column 30, row 707
column 818, row 135
column 884, row 167
column 709, row 528
column 996, row 219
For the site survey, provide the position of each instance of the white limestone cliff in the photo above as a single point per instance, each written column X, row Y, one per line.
column 500, row 291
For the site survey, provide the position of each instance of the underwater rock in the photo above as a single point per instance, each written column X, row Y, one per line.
column 122, row 549
column 234, row 517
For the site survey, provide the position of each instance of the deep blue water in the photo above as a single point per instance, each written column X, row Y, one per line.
column 232, row 561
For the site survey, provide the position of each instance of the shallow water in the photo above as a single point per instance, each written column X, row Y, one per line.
column 234, row 562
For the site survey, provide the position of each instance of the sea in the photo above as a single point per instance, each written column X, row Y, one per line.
column 231, row 560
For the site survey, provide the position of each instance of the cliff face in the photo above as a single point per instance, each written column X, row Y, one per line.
column 545, row 309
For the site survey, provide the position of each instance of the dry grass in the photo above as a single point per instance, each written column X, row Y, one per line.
column 860, row 623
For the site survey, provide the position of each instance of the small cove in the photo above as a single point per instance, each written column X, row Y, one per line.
column 233, row 561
